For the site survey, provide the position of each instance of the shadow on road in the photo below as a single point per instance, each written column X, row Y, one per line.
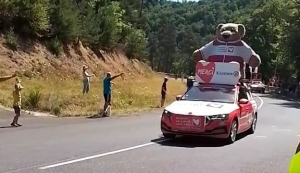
column 5, row 127
column 288, row 104
column 276, row 96
column 96, row 116
column 194, row 142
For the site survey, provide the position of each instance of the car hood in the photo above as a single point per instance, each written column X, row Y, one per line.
column 254, row 85
column 200, row 108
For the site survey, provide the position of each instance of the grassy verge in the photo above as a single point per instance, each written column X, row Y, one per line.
column 64, row 97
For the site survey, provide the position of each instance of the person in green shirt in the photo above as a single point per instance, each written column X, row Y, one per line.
column 295, row 162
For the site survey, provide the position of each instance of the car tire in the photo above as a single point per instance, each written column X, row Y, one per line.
column 233, row 132
column 263, row 91
column 169, row 135
column 253, row 125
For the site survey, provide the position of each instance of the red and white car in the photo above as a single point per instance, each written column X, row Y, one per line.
column 212, row 110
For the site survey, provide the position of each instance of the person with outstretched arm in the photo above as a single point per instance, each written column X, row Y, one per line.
column 5, row 78
column 107, row 81
column 17, row 103
column 86, row 80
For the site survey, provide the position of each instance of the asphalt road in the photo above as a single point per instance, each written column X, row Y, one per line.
column 133, row 145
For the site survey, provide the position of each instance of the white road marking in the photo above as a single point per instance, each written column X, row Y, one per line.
column 100, row 155
column 282, row 130
column 273, row 126
column 260, row 136
column 298, row 135
column 261, row 101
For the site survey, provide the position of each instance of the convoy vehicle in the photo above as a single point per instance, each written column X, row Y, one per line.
column 217, row 105
column 257, row 86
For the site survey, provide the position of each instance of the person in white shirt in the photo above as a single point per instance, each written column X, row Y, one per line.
column 86, row 80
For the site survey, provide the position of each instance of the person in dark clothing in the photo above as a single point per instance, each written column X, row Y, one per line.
column 163, row 92
column 189, row 82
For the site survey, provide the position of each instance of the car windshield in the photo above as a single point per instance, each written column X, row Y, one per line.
column 211, row 93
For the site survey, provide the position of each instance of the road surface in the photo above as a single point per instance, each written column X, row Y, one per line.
column 133, row 145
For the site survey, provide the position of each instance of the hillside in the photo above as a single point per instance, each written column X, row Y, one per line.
column 53, row 83
column 34, row 59
column 125, row 36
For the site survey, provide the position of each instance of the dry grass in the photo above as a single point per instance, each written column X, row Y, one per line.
column 64, row 97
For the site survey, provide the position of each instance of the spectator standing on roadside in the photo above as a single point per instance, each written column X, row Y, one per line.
column 163, row 92
column 5, row 78
column 107, row 81
column 17, row 102
column 86, row 80
column 189, row 82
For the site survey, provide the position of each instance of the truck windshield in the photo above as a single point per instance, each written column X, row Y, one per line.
column 211, row 93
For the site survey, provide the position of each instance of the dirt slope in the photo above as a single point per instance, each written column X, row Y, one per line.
column 34, row 59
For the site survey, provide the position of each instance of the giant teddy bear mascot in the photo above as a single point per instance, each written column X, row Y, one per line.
column 228, row 46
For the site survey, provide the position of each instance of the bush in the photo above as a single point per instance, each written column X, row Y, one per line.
column 11, row 39
column 55, row 46
column 33, row 99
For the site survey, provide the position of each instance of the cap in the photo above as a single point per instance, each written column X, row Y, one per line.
column 84, row 67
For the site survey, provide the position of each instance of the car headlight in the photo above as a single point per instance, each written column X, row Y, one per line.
column 219, row 117
column 167, row 113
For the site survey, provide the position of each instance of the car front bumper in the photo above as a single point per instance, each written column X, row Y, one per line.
column 214, row 129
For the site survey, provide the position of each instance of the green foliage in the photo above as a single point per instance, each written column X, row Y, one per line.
column 11, row 39
column 32, row 99
column 55, row 46
column 163, row 33
column 135, row 43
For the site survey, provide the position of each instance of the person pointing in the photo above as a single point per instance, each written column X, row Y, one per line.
column 107, row 81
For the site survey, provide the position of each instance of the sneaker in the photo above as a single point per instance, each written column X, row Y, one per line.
column 19, row 124
column 14, row 125
column 104, row 114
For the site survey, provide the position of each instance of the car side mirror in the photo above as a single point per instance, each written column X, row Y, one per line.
column 178, row 97
column 243, row 101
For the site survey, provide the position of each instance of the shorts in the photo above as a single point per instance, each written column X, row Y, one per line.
column 163, row 96
column 107, row 97
column 17, row 109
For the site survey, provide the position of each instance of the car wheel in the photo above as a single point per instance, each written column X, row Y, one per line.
column 253, row 125
column 169, row 135
column 233, row 132
column 263, row 91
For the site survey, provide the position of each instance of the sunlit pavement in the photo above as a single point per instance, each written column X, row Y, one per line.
column 134, row 145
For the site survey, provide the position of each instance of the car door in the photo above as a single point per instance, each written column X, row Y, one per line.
column 253, row 102
column 244, row 110
column 251, row 107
